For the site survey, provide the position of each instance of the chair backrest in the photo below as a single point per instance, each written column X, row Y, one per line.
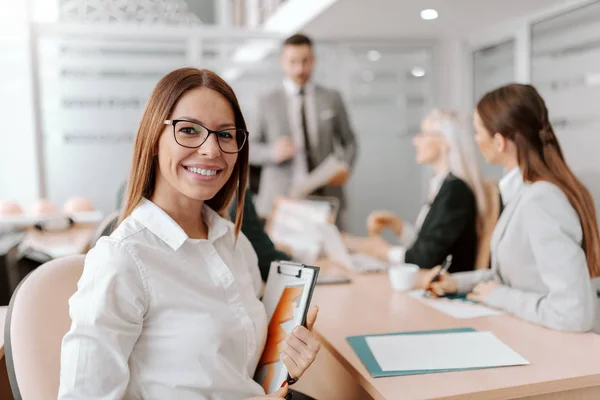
column 106, row 227
column 488, row 224
column 36, row 322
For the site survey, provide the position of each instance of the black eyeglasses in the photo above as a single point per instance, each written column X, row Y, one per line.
column 193, row 135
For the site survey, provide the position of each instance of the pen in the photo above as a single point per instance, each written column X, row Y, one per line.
column 445, row 266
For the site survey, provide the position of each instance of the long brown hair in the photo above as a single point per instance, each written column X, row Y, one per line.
column 519, row 113
column 163, row 99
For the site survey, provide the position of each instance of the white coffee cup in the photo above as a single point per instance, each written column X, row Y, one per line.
column 403, row 276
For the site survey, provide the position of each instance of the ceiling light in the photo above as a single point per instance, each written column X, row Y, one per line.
column 417, row 72
column 592, row 79
column 374, row 55
column 429, row 14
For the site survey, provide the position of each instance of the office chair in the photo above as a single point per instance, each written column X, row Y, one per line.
column 37, row 320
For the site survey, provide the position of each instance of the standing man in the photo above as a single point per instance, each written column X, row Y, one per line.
column 300, row 125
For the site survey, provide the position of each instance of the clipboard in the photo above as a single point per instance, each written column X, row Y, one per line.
column 287, row 296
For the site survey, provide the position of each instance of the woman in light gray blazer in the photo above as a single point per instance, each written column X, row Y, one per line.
column 546, row 247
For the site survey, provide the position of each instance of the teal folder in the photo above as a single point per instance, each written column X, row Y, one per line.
column 456, row 296
column 360, row 346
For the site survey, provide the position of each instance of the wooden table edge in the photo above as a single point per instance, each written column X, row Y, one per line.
column 364, row 383
column 534, row 389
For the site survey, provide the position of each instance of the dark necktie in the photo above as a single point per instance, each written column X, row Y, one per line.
column 309, row 162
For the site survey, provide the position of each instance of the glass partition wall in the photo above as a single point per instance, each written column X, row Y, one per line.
column 493, row 66
column 94, row 86
column 565, row 68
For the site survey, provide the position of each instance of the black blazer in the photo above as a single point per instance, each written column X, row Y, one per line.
column 254, row 230
column 449, row 228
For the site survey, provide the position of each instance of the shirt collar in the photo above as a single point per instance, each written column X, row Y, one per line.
column 436, row 183
column 217, row 225
column 510, row 184
column 292, row 89
column 157, row 221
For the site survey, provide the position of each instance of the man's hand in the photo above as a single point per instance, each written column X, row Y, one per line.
column 284, row 149
column 340, row 178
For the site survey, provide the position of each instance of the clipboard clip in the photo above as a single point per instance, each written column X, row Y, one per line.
column 297, row 275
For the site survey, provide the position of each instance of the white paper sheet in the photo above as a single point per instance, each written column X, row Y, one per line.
column 456, row 308
column 461, row 350
column 319, row 177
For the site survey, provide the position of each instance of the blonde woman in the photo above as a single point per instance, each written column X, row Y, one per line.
column 447, row 223
column 167, row 306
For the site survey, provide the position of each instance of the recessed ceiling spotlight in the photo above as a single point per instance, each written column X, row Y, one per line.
column 417, row 72
column 374, row 55
column 429, row 14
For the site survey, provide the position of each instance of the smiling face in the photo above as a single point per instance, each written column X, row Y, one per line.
column 197, row 174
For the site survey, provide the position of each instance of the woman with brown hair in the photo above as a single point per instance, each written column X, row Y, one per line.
column 546, row 247
column 167, row 306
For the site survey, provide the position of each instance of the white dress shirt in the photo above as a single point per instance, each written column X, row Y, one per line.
column 510, row 184
column 292, row 90
column 410, row 233
column 158, row 315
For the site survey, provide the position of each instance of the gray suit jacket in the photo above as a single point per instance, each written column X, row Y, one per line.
column 538, row 259
column 335, row 137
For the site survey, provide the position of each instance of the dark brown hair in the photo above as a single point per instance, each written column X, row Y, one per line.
column 161, row 103
column 519, row 113
column 298, row 40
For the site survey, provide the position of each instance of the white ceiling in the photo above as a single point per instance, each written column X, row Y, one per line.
column 401, row 18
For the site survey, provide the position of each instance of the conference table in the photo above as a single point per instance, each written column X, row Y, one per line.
column 563, row 365
column 75, row 240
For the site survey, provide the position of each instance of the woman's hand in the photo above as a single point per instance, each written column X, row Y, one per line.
column 278, row 395
column 481, row 292
column 373, row 245
column 445, row 284
column 301, row 346
column 377, row 221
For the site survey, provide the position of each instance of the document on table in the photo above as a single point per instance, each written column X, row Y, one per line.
column 442, row 351
column 456, row 308
column 319, row 177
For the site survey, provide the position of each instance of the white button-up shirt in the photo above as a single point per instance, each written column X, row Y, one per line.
column 158, row 315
